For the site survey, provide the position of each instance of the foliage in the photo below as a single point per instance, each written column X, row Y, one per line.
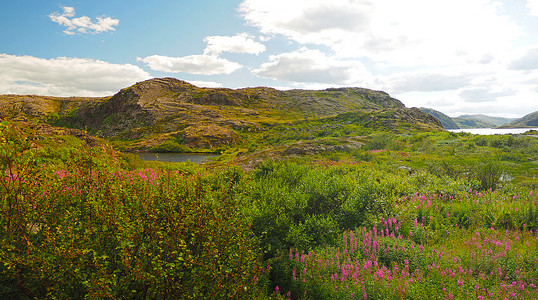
column 93, row 230
column 409, row 215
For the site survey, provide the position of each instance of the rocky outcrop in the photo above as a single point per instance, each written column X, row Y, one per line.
column 158, row 110
column 209, row 136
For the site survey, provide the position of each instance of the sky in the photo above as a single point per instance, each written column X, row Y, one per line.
column 457, row 56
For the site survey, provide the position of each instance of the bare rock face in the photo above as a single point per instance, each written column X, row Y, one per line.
column 209, row 136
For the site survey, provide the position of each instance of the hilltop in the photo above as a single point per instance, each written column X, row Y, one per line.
column 168, row 114
column 480, row 121
column 528, row 121
column 467, row 121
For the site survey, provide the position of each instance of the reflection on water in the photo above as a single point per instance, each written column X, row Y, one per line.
column 177, row 157
column 492, row 131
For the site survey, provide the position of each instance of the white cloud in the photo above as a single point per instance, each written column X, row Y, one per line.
column 206, row 84
column 532, row 5
column 240, row 43
column 428, row 82
column 82, row 24
column 413, row 32
column 194, row 64
column 529, row 61
column 208, row 63
column 483, row 94
column 311, row 66
column 65, row 76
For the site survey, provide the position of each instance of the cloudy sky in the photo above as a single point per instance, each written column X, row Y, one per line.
column 457, row 56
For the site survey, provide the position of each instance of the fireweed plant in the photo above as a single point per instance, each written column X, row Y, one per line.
column 84, row 227
column 84, row 221
column 478, row 245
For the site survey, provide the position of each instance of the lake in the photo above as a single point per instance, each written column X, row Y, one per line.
column 493, row 131
column 177, row 157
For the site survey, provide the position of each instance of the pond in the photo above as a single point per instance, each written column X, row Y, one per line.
column 177, row 157
column 493, row 131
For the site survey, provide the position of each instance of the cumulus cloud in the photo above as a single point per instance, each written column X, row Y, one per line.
column 399, row 32
column 529, row 61
column 82, row 24
column 240, row 43
column 193, row 64
column 532, row 5
column 482, row 94
column 424, row 82
column 311, row 66
column 65, row 76
column 208, row 63
column 207, row 84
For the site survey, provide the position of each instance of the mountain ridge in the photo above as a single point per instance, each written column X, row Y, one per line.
column 480, row 121
column 163, row 110
column 527, row 121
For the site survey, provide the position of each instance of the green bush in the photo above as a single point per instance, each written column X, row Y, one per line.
column 91, row 229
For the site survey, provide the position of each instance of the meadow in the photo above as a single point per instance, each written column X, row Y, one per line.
column 422, row 215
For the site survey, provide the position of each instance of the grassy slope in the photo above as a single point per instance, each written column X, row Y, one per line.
column 445, row 120
column 530, row 120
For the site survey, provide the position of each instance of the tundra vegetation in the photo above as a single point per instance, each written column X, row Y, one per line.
column 422, row 214
column 365, row 204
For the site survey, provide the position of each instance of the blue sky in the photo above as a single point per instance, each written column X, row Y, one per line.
column 458, row 56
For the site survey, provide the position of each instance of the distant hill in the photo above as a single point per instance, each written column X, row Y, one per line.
column 164, row 110
column 528, row 121
column 445, row 120
column 480, row 121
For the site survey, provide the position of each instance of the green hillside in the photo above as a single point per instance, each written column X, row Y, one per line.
column 480, row 121
column 528, row 121
column 445, row 120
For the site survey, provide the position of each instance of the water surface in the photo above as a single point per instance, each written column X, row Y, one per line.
column 493, row 131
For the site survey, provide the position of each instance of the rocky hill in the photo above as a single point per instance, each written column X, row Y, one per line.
column 528, row 121
column 445, row 120
column 152, row 112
